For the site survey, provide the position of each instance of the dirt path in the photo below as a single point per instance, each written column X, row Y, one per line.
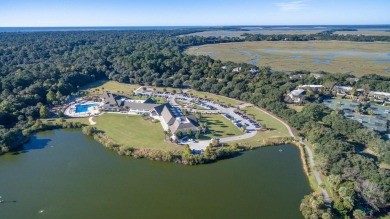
column 91, row 122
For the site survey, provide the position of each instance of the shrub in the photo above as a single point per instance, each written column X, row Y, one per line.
column 89, row 130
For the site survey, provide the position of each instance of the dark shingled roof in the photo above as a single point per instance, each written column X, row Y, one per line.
column 140, row 106
column 110, row 100
column 159, row 108
column 149, row 100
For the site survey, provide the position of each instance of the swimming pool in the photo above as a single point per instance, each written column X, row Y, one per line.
column 83, row 108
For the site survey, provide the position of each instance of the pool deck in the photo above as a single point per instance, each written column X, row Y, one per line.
column 92, row 111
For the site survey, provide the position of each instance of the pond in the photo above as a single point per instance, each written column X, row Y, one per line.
column 64, row 174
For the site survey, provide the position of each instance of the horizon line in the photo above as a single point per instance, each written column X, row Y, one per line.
column 241, row 25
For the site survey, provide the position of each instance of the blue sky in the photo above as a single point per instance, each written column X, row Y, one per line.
column 191, row 12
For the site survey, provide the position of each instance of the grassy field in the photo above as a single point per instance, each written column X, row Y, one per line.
column 111, row 86
column 134, row 131
column 269, row 121
column 217, row 98
column 219, row 127
column 230, row 33
column 359, row 58
column 120, row 88
column 295, row 107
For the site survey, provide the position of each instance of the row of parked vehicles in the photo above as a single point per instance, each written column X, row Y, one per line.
column 205, row 105
column 253, row 122
column 235, row 121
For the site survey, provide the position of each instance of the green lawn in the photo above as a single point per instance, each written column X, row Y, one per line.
column 111, row 86
column 214, row 97
column 295, row 107
column 134, row 131
column 58, row 121
column 263, row 118
column 219, row 127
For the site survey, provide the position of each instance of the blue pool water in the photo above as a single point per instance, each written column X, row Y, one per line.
column 84, row 107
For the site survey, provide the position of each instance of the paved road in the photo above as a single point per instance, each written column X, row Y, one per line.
column 316, row 174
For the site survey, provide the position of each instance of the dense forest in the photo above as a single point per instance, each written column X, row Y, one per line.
column 324, row 35
column 39, row 70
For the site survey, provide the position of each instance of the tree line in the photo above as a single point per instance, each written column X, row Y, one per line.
column 324, row 35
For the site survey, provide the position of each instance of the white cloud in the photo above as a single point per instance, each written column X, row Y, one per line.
column 291, row 5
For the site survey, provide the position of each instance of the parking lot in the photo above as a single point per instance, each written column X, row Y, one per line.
column 211, row 107
column 377, row 122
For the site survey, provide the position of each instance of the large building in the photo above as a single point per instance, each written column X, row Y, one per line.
column 112, row 102
column 171, row 118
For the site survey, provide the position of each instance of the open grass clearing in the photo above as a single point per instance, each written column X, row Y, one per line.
column 359, row 58
column 232, row 33
column 110, row 86
column 264, row 119
column 295, row 107
column 384, row 166
column 58, row 121
column 134, row 131
column 123, row 89
column 219, row 127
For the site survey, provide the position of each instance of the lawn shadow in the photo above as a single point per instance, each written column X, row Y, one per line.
column 94, row 84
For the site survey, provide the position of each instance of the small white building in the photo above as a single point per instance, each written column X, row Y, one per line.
column 311, row 87
column 316, row 75
column 238, row 69
column 382, row 96
column 345, row 89
column 296, row 96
